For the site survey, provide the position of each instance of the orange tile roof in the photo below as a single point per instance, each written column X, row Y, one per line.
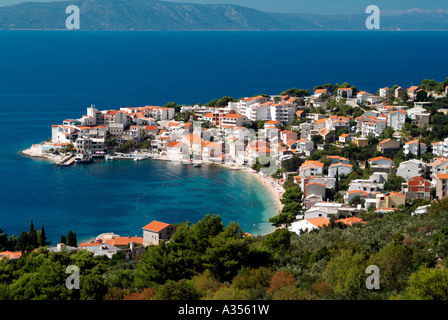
column 393, row 193
column 415, row 141
column 155, row 226
column 442, row 176
column 312, row 163
column 124, row 241
column 341, row 164
column 380, row 158
column 350, row 221
column 318, row 222
column 321, row 120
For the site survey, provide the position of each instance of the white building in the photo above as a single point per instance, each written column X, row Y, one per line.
column 411, row 168
column 307, row 225
column 340, row 168
column 412, row 147
column 396, row 119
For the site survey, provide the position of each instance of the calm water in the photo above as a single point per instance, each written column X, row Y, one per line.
column 46, row 77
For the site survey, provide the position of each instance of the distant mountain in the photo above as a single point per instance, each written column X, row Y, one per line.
column 162, row 15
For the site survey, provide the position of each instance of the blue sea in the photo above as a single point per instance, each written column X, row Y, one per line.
column 48, row 76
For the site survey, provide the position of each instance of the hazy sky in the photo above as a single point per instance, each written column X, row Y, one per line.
column 313, row 6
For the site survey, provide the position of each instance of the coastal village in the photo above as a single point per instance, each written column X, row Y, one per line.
column 349, row 152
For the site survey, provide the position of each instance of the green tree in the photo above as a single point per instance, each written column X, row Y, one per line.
column 32, row 234
column 346, row 275
column 279, row 241
column 180, row 290
column 427, row 284
column 71, row 239
column 42, row 238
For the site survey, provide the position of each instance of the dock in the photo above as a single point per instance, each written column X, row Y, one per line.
column 66, row 161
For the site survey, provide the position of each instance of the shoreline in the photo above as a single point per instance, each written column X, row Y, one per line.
column 274, row 189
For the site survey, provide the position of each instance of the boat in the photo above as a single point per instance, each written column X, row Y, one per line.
column 78, row 158
column 87, row 159
column 108, row 157
column 197, row 165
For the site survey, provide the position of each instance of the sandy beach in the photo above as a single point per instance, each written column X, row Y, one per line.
column 274, row 188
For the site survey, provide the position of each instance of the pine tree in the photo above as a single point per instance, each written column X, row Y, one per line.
column 336, row 185
column 24, row 243
column 419, row 150
column 42, row 239
column 33, row 236
column 71, row 239
column 63, row 240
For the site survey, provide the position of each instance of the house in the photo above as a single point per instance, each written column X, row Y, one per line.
column 305, row 130
column 396, row 119
column 272, row 123
column 177, row 151
column 307, row 225
column 156, row 231
column 437, row 167
column 412, row 91
column 381, row 161
column 350, row 195
column 321, row 124
column 382, row 164
column 440, row 148
column 411, row 168
column 360, row 141
column 339, row 168
column 305, row 147
column 124, row 242
column 384, row 92
column 362, row 96
column 235, row 120
column 338, row 159
column 399, row 92
column 390, row 200
column 319, row 92
column 413, row 147
column 11, row 255
column 371, row 125
column 287, row 135
column 102, row 249
column 322, row 212
column 441, row 185
column 329, row 182
column 313, row 193
column 421, row 210
column 345, row 92
column 368, row 186
column 350, row 221
column 311, row 168
column 327, row 135
column 344, row 138
column 416, row 188
column 388, row 146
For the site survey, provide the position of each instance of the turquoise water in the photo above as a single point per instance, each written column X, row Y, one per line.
column 46, row 77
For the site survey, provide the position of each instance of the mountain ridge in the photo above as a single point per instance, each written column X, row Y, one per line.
column 158, row 15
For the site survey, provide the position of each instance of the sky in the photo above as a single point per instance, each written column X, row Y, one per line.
column 312, row 6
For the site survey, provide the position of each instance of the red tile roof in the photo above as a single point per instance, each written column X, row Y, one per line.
column 155, row 226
